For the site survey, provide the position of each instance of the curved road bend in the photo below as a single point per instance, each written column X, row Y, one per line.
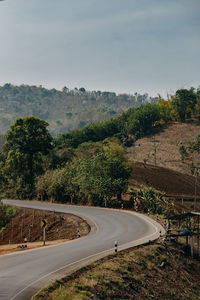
column 22, row 274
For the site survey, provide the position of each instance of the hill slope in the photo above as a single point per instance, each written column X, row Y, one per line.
column 167, row 143
column 170, row 182
column 63, row 110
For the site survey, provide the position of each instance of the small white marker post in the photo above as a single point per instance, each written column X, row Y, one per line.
column 116, row 246
column 25, row 242
column 78, row 233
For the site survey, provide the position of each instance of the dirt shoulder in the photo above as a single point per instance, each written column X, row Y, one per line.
column 27, row 224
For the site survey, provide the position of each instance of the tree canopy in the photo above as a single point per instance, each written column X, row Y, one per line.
column 28, row 135
column 26, row 142
column 184, row 101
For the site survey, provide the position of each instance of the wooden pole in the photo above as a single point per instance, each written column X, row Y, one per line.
column 22, row 225
column 195, row 187
column 12, row 230
column 29, row 234
column 191, row 244
column 33, row 218
column 44, row 235
column 198, row 250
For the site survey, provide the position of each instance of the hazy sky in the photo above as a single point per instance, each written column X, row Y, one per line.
column 125, row 46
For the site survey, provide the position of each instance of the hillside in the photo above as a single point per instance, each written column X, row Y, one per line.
column 27, row 223
column 171, row 183
column 167, row 141
column 63, row 110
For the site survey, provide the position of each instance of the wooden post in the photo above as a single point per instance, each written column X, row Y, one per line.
column 198, row 250
column 33, row 217
column 22, row 225
column 195, row 187
column 29, row 234
column 44, row 235
column 12, row 230
column 191, row 244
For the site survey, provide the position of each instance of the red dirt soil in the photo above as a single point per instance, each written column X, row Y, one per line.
column 170, row 182
column 27, row 223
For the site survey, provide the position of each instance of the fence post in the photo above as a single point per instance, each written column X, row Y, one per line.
column 191, row 244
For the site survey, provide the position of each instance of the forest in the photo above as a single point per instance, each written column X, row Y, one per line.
column 64, row 110
column 87, row 165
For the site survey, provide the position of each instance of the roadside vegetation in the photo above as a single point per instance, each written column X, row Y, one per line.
column 6, row 214
column 87, row 165
column 159, row 271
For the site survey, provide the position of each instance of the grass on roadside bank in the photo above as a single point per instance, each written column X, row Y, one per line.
column 157, row 271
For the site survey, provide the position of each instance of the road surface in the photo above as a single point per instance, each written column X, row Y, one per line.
column 22, row 274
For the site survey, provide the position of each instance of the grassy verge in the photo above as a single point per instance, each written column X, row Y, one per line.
column 157, row 271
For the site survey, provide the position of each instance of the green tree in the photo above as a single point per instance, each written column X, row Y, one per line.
column 54, row 185
column 26, row 142
column 195, row 145
column 100, row 178
column 6, row 213
column 183, row 152
column 142, row 119
column 184, row 102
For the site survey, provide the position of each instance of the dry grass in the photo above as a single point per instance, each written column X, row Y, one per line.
column 168, row 143
column 151, row 272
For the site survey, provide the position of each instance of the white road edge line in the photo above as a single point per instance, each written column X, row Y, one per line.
column 88, row 257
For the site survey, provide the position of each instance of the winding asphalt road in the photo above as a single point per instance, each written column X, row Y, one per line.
column 22, row 274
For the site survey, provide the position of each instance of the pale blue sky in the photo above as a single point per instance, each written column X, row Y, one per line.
column 125, row 46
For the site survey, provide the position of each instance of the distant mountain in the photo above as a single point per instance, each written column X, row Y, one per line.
column 63, row 110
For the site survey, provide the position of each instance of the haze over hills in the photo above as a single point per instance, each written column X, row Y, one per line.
column 63, row 110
